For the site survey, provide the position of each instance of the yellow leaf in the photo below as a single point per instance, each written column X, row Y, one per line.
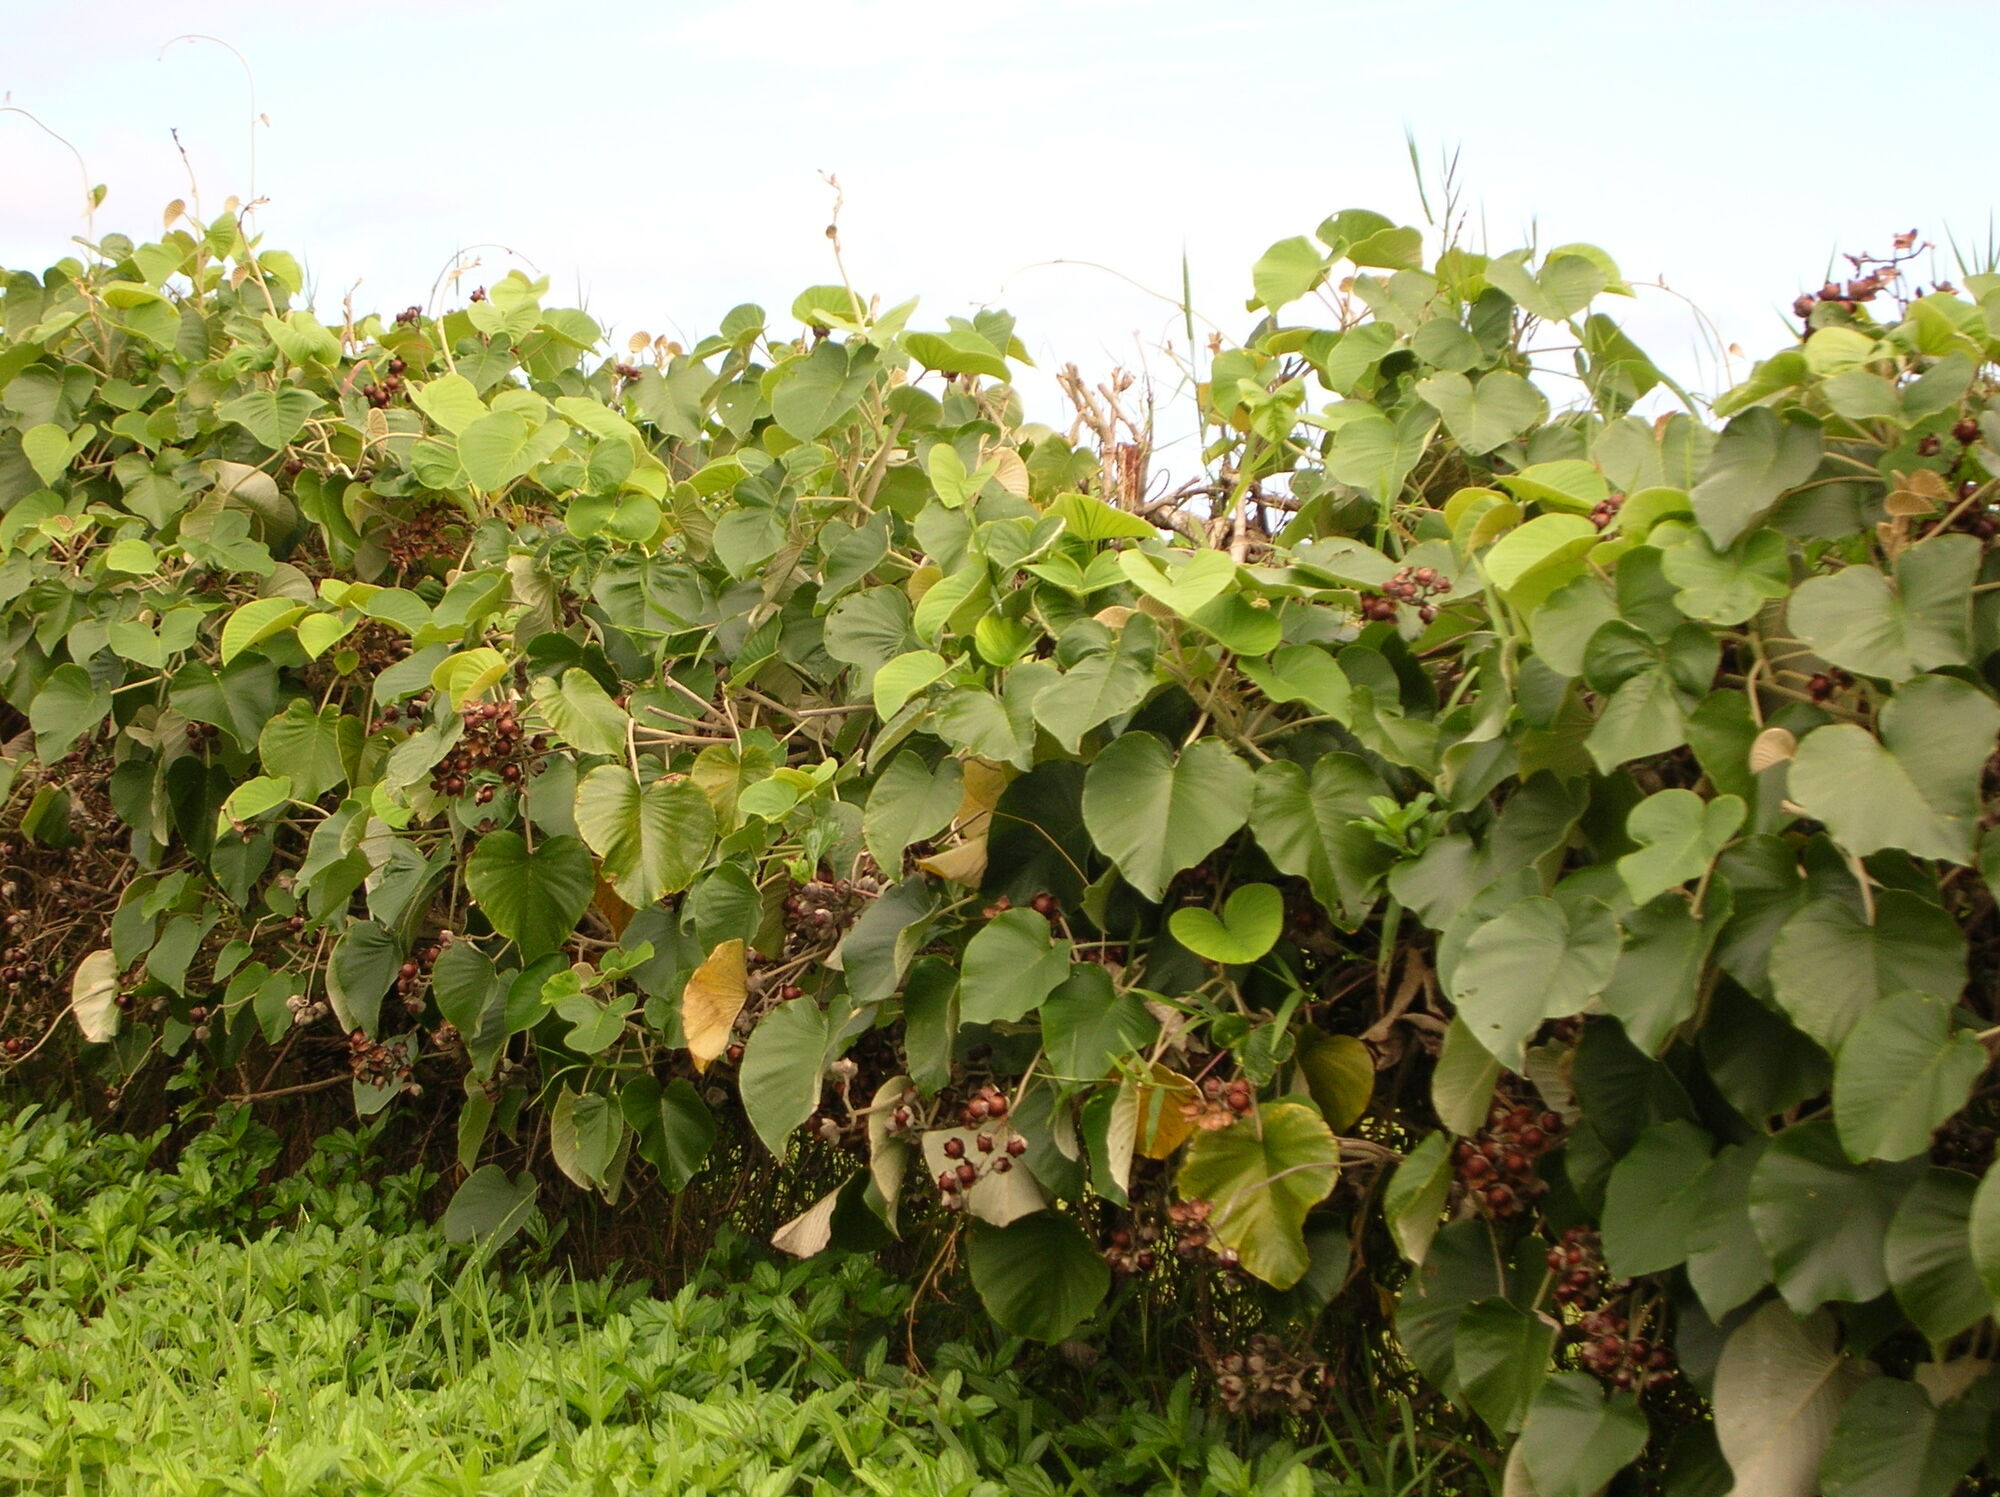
column 963, row 864
column 1161, row 1128
column 983, row 781
column 711, row 1001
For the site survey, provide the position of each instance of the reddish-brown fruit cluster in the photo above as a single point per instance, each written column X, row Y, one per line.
column 1188, row 1222
column 1826, row 683
column 1577, row 1262
column 1607, row 1347
column 294, row 466
column 381, row 394
column 409, row 317
column 1497, row 1165
column 1416, row 586
column 816, row 913
column 987, row 1105
column 1221, row 1103
column 1606, row 510
column 378, row 1065
column 415, row 973
column 494, row 743
column 1133, row 1250
column 993, row 1158
column 431, row 533
column 1965, row 430
column 627, row 371
column 478, row 293
column 13, row 1047
column 1266, row 1380
column 201, row 733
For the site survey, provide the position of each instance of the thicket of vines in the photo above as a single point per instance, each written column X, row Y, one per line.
column 1551, row 841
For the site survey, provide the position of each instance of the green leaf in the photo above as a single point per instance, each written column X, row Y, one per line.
column 1822, row 1220
column 1829, row 966
column 1535, row 558
column 581, row 713
column 1377, row 455
column 1858, row 620
column 1285, row 272
column 1091, row 519
column 1306, row 825
column 1537, row 960
column 1107, row 681
column 1009, row 967
column 1339, row 1072
column 1577, row 1437
column 363, row 967
column 1757, row 458
column 1918, row 787
column 1302, row 673
column 534, row 898
column 69, row 705
column 273, row 417
column 1261, row 1175
column 1252, row 920
column 1903, row 1071
column 910, row 802
column 1413, row 1205
column 784, row 1062
column 489, row 1208
column 1726, row 1264
column 653, row 839
column 1652, row 1200
column 1662, row 966
column 451, row 401
column 1500, row 1356
column 312, row 748
column 1928, row 1256
column 1570, row 485
column 902, row 678
column 1679, row 836
column 1199, row 579
column 1727, row 586
column 673, row 1127
column 1779, row 1388
column 1487, row 415
column 1038, row 1277
column 1086, row 1025
column 1983, row 1235
column 957, row 352
column 500, row 447
column 812, row 394
column 586, row 1132
column 1892, row 1441
column 1154, row 815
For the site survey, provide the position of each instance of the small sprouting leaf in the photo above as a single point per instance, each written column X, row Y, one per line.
column 1252, row 919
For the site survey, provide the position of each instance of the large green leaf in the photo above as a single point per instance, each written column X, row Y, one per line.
column 587, row 1135
column 1109, row 679
column 1859, row 621
column 1726, row 1262
column 1261, row 1175
column 1917, row 787
column 69, row 705
column 1653, row 1198
column 1086, row 1025
column 312, row 748
column 362, row 969
column 1903, row 1070
column 1500, row 1357
column 1486, row 415
column 1536, row 960
column 1010, row 966
column 910, row 802
column 1928, row 1255
column 1759, row 456
column 1578, row 1436
column 1663, row 965
column 489, row 1208
column 1679, row 836
column 273, row 417
column 1413, row 1204
column 534, row 898
column 1305, row 824
column 1822, row 1219
column 784, row 1062
column 1038, row 1277
column 814, row 393
column 582, row 714
column 1829, row 965
column 672, row 1127
column 1727, row 586
column 1285, row 272
column 1154, row 815
column 652, row 839
column 1892, row 1441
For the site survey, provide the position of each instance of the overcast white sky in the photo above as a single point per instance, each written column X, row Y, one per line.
column 661, row 162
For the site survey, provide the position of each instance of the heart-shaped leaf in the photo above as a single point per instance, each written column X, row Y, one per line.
column 534, row 898
column 1038, row 1277
column 1758, row 456
column 1260, row 1176
column 1200, row 579
column 653, row 840
column 1679, row 836
column 1829, row 964
column 1727, row 586
column 1009, row 967
column 1928, row 1253
column 1905, row 1068
column 1251, row 921
column 1861, row 622
column 1483, row 416
column 1154, row 815
column 1917, row 787
column 1779, row 1387
column 1536, row 960
column 1578, row 1436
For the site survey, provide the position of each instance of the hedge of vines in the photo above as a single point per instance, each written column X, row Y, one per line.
column 1551, row 839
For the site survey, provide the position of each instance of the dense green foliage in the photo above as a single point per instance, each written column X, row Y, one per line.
column 1544, row 847
column 190, row 1333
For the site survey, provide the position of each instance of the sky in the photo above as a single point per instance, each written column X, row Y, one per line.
column 663, row 162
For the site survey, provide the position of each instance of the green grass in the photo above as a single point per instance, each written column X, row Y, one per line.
column 197, row 1331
